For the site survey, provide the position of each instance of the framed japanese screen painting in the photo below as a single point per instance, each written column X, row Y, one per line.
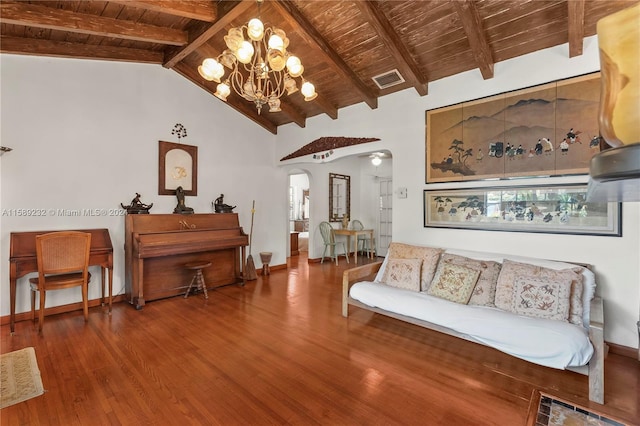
column 545, row 130
column 557, row 209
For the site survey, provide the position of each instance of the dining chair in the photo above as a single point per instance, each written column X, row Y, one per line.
column 63, row 262
column 330, row 242
column 356, row 225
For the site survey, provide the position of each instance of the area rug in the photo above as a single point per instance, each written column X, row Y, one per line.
column 547, row 410
column 19, row 377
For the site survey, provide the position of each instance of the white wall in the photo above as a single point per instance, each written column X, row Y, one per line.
column 85, row 136
column 399, row 122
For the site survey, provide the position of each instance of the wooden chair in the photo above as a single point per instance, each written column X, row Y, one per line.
column 330, row 242
column 63, row 262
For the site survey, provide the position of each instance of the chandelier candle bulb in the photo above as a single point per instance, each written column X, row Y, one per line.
column 255, row 29
column 267, row 72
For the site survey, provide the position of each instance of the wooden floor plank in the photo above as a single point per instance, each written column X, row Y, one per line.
column 277, row 351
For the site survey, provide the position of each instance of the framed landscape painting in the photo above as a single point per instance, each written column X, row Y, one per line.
column 557, row 209
column 547, row 130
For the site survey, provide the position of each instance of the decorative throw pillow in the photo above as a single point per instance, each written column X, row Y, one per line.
column 541, row 298
column 510, row 270
column 403, row 273
column 454, row 283
column 484, row 293
column 429, row 256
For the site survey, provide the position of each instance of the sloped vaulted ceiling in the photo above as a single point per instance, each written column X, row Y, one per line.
column 342, row 44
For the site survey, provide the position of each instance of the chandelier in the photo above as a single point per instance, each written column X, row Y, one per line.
column 261, row 68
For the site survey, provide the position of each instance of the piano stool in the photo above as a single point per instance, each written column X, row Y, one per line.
column 198, row 278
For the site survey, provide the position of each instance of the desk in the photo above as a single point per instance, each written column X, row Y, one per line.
column 22, row 260
column 354, row 233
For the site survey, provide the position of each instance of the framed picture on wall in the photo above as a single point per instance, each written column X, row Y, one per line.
column 556, row 209
column 551, row 129
column 177, row 166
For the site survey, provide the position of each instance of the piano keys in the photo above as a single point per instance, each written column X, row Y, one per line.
column 157, row 246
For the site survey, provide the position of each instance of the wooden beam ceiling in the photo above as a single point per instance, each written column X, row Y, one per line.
column 199, row 37
column 576, row 27
column 63, row 20
column 62, row 49
column 473, row 28
column 202, row 11
column 406, row 64
column 313, row 37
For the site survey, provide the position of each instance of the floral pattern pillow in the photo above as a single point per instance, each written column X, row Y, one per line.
column 429, row 256
column 403, row 273
column 454, row 283
column 484, row 293
column 541, row 298
column 511, row 270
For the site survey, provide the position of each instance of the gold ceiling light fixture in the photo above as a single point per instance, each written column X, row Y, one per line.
column 262, row 70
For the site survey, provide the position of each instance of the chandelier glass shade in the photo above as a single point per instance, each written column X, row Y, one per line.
column 261, row 70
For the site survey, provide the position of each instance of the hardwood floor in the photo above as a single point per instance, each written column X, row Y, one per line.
column 278, row 351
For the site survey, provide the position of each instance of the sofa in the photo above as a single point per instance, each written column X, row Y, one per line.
column 542, row 311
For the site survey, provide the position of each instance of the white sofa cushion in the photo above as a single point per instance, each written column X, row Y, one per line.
column 541, row 298
column 542, row 341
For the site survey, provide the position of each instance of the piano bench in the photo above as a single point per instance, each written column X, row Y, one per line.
column 198, row 278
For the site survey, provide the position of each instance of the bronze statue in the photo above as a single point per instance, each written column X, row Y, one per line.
column 220, row 207
column 181, row 208
column 137, row 206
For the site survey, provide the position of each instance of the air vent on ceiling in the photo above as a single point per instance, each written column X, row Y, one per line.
column 388, row 79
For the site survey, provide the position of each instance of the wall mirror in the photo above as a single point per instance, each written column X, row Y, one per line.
column 339, row 197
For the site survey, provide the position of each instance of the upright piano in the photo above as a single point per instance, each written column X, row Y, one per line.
column 157, row 246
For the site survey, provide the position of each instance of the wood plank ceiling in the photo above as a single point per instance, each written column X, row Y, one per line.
column 342, row 44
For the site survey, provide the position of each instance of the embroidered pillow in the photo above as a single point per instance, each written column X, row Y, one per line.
column 484, row 293
column 429, row 256
column 541, row 298
column 454, row 283
column 510, row 270
column 403, row 273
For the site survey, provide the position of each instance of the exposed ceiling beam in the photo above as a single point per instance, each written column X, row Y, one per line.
column 473, row 28
column 313, row 37
column 63, row 20
column 241, row 105
column 406, row 64
column 326, row 106
column 576, row 27
column 200, row 10
column 200, row 36
column 291, row 112
column 62, row 49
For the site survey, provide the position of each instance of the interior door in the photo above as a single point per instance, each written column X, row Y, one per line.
column 384, row 217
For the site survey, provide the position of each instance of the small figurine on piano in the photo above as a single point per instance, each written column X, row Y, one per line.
column 220, row 207
column 181, row 208
column 137, row 206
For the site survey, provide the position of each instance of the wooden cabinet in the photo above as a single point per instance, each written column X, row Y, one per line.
column 294, row 244
column 301, row 225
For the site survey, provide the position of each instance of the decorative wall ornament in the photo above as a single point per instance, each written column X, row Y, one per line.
column 180, row 131
column 178, row 167
column 328, row 144
column 551, row 129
